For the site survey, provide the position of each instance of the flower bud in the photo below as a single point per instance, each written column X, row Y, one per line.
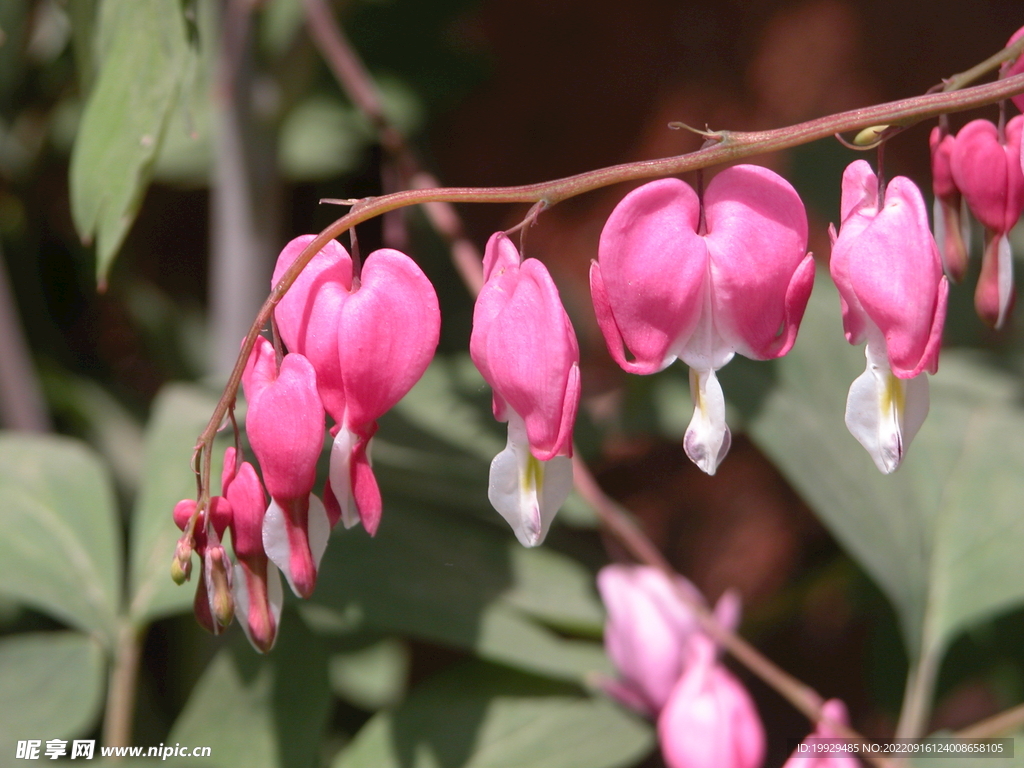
column 870, row 136
column 710, row 721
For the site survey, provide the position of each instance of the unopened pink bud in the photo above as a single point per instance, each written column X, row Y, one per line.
column 835, row 711
column 710, row 721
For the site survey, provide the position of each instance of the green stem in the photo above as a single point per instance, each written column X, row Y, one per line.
column 117, row 724
column 967, row 77
column 917, row 698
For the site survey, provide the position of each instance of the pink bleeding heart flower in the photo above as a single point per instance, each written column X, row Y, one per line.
column 805, row 757
column 886, row 266
column 986, row 166
column 213, row 605
column 525, row 348
column 649, row 632
column 285, row 424
column 257, row 581
column 710, row 721
column 699, row 280
column 369, row 337
column 949, row 213
column 1015, row 67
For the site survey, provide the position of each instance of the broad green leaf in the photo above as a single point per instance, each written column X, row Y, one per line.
column 440, row 405
column 187, row 148
column 106, row 424
column 373, row 677
column 321, row 138
column 51, row 687
column 554, row 589
column 179, row 414
column 943, row 535
column 260, row 711
column 435, row 448
column 455, row 580
column 61, row 550
column 480, row 716
column 144, row 52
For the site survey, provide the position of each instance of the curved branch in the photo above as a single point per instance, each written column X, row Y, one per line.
column 732, row 146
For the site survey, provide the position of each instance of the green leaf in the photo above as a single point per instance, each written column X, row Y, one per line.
column 455, row 580
column 554, row 589
column 943, row 535
column 61, row 550
column 186, row 151
column 179, row 414
column 435, row 447
column 51, row 687
column 144, row 53
column 321, row 138
column 260, row 711
column 97, row 415
column 373, row 677
column 480, row 716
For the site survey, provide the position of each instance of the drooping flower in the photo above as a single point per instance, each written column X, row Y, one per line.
column 285, row 424
column 1015, row 67
column 257, row 581
column 700, row 280
column 710, row 721
column 952, row 224
column 834, row 710
column 986, row 166
column 886, row 266
column 525, row 348
column 649, row 630
column 369, row 338
column 213, row 605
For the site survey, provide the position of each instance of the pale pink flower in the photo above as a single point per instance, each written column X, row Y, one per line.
column 700, row 280
column 710, row 721
column 285, row 424
column 257, row 581
column 886, row 266
column 986, row 166
column 649, row 632
column 834, row 710
column 369, row 338
column 949, row 213
column 525, row 348
column 1015, row 67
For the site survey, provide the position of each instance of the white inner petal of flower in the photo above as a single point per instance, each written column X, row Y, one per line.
column 884, row 412
column 340, row 473
column 525, row 491
column 1005, row 256
column 707, row 439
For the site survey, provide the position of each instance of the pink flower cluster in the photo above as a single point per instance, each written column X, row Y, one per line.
column 669, row 670
column 357, row 342
column 981, row 168
column 694, row 275
column 679, row 275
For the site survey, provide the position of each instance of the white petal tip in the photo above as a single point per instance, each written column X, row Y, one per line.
column 884, row 413
column 525, row 491
column 707, row 439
